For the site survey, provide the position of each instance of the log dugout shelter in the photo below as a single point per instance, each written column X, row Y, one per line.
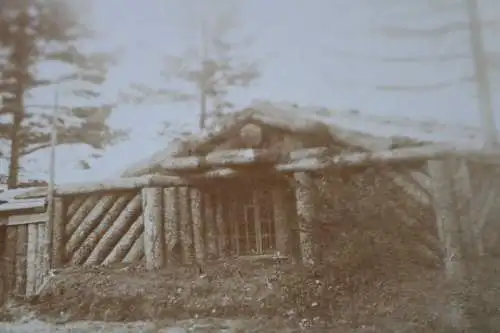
column 258, row 186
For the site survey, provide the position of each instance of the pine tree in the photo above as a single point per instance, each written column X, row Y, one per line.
column 34, row 33
column 212, row 69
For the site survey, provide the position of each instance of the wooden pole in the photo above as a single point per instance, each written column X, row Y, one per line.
column 483, row 82
column 50, row 191
column 152, row 209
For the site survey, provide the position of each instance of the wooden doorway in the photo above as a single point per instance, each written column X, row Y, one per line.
column 254, row 228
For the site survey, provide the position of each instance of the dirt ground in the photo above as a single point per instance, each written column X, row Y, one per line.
column 237, row 295
column 251, row 295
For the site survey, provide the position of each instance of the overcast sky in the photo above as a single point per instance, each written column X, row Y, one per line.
column 315, row 52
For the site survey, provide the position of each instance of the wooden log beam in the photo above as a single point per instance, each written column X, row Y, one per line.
column 136, row 252
column 114, row 232
column 317, row 159
column 91, row 241
column 58, row 234
column 239, row 157
column 119, row 184
column 31, row 256
column 109, row 185
column 10, row 259
column 125, row 243
column 152, row 210
column 199, row 238
column 75, row 203
column 89, row 223
column 366, row 159
column 76, row 220
column 27, row 219
column 42, row 270
column 211, row 232
column 220, row 158
column 185, row 225
column 21, row 264
column 172, row 227
column 282, row 226
column 221, row 223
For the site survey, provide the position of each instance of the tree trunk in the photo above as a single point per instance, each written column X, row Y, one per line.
column 15, row 140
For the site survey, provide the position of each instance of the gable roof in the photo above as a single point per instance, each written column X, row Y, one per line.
column 283, row 116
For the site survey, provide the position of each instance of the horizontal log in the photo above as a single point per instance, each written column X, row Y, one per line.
column 317, row 159
column 314, row 162
column 32, row 204
column 391, row 157
column 119, row 184
column 27, row 219
column 238, row 157
column 310, row 159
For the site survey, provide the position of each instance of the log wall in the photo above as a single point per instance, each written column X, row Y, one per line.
column 24, row 269
column 156, row 226
column 100, row 229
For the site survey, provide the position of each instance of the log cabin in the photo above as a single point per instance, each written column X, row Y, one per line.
column 267, row 207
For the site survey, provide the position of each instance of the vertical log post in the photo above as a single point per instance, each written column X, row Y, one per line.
column 31, row 256
column 221, row 223
column 199, row 238
column 282, row 227
column 310, row 246
column 185, row 225
column 453, row 225
column 152, row 208
column 10, row 259
column 21, row 254
column 172, row 227
column 211, row 231
column 56, row 231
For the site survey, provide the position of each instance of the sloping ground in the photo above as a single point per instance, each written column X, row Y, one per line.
column 391, row 294
column 386, row 294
